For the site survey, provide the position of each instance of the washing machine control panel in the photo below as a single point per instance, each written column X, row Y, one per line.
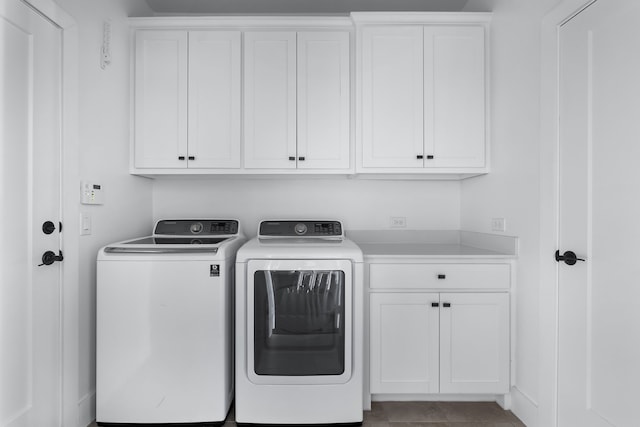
column 196, row 227
column 301, row 229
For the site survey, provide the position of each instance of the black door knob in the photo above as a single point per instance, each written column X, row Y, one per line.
column 569, row 257
column 48, row 227
column 49, row 257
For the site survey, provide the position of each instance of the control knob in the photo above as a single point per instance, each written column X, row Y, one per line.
column 300, row 229
column 196, row 228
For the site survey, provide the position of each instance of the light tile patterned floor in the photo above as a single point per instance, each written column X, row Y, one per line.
column 431, row 414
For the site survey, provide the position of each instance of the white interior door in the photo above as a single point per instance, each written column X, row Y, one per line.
column 30, row 337
column 599, row 319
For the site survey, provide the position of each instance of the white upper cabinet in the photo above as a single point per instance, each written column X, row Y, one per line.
column 392, row 97
column 270, row 100
column 323, row 100
column 296, row 100
column 160, row 99
column 214, row 99
column 187, row 99
column 454, row 97
column 422, row 98
column 255, row 95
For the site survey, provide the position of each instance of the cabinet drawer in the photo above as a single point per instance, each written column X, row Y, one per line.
column 441, row 276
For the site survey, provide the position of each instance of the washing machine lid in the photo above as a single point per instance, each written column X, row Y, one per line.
column 162, row 245
column 182, row 236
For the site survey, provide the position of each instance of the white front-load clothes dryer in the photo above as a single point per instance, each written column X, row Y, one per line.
column 299, row 326
column 165, row 325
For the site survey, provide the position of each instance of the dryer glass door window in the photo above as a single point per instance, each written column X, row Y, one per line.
column 299, row 322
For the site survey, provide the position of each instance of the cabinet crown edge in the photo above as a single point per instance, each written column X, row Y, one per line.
column 421, row 18
column 345, row 21
column 241, row 22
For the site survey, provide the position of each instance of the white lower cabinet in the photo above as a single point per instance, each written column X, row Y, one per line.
column 474, row 343
column 404, row 335
column 439, row 342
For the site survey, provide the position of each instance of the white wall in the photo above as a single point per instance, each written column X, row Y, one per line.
column 103, row 147
column 361, row 204
column 511, row 190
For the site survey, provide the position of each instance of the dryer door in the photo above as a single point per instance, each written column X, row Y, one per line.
column 299, row 321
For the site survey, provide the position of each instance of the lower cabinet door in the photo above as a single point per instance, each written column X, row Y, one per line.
column 404, row 342
column 474, row 343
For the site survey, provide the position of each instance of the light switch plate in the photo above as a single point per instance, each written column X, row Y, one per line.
column 85, row 223
column 91, row 194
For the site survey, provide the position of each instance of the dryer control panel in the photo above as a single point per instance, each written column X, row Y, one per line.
column 292, row 228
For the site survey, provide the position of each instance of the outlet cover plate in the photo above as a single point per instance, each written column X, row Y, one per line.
column 398, row 222
column 498, row 224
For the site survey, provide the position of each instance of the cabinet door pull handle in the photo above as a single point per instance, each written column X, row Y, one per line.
column 192, row 157
column 435, row 304
column 180, row 157
column 301, row 158
column 419, row 157
column 446, row 304
column 292, row 158
column 429, row 157
column 442, row 276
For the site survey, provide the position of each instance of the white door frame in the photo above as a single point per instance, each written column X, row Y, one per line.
column 70, row 195
column 549, row 204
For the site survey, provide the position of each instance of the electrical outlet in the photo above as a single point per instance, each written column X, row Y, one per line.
column 498, row 224
column 398, row 222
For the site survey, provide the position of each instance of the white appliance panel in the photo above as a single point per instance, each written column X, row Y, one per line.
column 164, row 328
column 298, row 403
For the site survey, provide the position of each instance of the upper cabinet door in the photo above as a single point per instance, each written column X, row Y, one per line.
column 214, row 99
column 454, row 96
column 323, row 100
column 392, row 96
column 270, row 100
column 160, row 99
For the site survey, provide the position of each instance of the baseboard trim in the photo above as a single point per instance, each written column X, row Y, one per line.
column 434, row 397
column 87, row 409
column 524, row 407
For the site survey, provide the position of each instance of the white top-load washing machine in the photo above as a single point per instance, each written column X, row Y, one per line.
column 299, row 326
column 165, row 325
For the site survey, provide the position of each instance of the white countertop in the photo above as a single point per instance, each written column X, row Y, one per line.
column 382, row 244
column 433, row 250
